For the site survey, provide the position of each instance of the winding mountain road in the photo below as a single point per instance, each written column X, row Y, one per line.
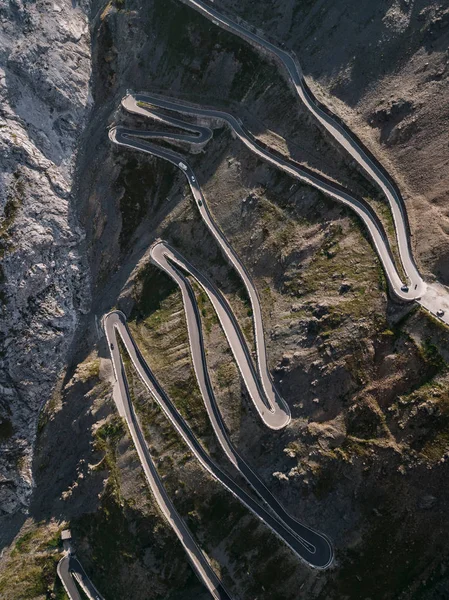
column 277, row 414
column 311, row 546
column 114, row 323
column 434, row 297
column 340, row 133
column 166, row 259
column 143, row 103
column 70, row 570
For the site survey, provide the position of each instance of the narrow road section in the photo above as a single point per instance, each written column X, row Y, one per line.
column 70, row 570
column 116, row 322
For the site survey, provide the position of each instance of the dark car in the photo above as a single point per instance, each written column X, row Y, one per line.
column 112, row 346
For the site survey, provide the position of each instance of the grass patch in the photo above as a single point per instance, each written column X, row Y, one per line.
column 163, row 340
column 208, row 315
column 430, row 419
column 88, row 370
column 226, row 374
column 432, row 358
column 30, row 568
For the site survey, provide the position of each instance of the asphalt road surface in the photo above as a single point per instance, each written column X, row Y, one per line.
column 70, row 569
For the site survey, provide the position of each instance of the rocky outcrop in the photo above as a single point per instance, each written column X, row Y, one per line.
column 44, row 97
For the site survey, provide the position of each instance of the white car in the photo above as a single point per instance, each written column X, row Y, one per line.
column 440, row 313
column 193, row 178
column 182, row 166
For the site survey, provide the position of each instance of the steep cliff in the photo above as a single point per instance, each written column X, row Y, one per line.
column 44, row 88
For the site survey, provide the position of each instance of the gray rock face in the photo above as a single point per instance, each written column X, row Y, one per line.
column 44, row 97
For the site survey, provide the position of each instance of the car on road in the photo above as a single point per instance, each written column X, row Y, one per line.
column 404, row 288
column 182, row 166
column 440, row 313
column 112, row 346
column 200, row 203
column 193, row 178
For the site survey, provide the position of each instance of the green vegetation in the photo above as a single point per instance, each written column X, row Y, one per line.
column 88, row 370
column 226, row 374
column 334, row 257
column 163, row 339
column 432, row 358
column 208, row 315
column 151, row 416
column 9, row 216
column 106, row 441
column 366, row 421
column 30, row 568
column 430, row 424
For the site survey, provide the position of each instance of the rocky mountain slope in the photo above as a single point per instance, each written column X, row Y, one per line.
column 44, row 88
column 388, row 81
column 365, row 457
